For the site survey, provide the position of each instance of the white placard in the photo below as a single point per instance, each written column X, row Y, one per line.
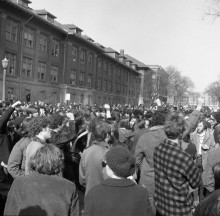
column 67, row 96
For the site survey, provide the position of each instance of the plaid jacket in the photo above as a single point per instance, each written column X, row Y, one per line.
column 175, row 171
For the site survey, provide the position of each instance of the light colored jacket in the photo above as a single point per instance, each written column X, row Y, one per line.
column 90, row 168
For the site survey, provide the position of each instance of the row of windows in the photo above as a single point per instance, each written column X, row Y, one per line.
column 27, row 67
column 29, row 41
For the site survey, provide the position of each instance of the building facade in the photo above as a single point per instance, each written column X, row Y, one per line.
column 48, row 60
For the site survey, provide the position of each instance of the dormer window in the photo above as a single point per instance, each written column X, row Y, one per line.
column 45, row 15
column 24, row 3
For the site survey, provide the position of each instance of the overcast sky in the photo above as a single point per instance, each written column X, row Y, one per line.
column 162, row 32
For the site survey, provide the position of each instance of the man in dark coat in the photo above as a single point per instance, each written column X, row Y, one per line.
column 5, row 148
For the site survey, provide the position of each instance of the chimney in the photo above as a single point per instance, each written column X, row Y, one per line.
column 122, row 52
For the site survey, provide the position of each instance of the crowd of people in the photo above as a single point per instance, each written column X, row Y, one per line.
column 162, row 160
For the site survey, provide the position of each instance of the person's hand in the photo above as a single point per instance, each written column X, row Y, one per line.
column 16, row 104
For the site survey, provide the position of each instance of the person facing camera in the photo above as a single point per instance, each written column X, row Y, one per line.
column 118, row 195
column 44, row 191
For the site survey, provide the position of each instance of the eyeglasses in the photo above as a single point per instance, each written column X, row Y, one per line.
column 104, row 164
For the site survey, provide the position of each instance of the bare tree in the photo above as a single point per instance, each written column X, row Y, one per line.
column 213, row 8
column 213, row 90
column 178, row 85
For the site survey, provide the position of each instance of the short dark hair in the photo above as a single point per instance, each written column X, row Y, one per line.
column 48, row 160
column 100, row 130
column 158, row 118
column 174, row 125
column 56, row 120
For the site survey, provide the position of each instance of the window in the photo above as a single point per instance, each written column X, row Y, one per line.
column 82, row 56
column 99, row 64
column 109, row 86
column 74, row 54
column 90, row 60
column 82, row 99
column 73, row 77
column 81, row 78
column 89, row 80
column 105, row 69
column 43, row 43
column 55, row 48
column 104, row 85
column 28, row 37
column 54, row 73
column 99, row 84
column 114, row 87
column 11, row 30
column 110, row 71
column 42, row 68
column 11, row 62
column 27, row 67
column 11, row 95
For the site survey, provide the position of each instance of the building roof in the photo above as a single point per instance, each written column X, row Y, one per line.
column 135, row 61
column 43, row 12
column 99, row 45
column 71, row 26
column 110, row 50
column 88, row 38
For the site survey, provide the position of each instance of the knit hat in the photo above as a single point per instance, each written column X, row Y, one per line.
column 121, row 162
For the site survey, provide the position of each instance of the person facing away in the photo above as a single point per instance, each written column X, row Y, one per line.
column 210, row 206
column 118, row 195
column 147, row 142
column 175, row 171
column 40, row 131
column 44, row 191
column 90, row 168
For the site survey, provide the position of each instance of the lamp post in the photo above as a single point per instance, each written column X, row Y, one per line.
column 4, row 65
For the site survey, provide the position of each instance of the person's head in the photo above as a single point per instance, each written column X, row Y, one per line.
column 158, row 118
column 216, row 172
column 124, row 123
column 40, row 126
column 101, row 130
column 174, row 126
column 215, row 117
column 119, row 162
column 201, row 126
column 25, row 124
column 48, row 160
column 56, row 121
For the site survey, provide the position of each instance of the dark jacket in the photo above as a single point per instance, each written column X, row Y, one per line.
column 117, row 197
column 38, row 194
column 210, row 206
column 5, row 147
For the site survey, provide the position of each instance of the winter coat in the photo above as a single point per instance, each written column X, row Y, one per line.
column 117, row 197
column 210, row 206
column 38, row 194
column 5, row 148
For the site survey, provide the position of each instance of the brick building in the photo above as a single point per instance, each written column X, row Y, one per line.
column 48, row 59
